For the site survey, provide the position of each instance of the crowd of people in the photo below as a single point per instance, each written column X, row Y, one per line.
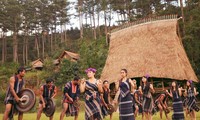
column 130, row 99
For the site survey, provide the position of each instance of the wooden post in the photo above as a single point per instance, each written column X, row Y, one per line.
column 163, row 87
column 151, row 81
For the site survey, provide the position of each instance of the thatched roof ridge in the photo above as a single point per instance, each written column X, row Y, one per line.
column 144, row 21
column 70, row 54
column 152, row 48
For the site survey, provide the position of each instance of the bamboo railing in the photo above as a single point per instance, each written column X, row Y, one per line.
column 144, row 20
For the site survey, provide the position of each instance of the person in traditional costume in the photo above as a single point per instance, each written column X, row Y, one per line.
column 177, row 104
column 148, row 103
column 161, row 102
column 92, row 88
column 191, row 104
column 71, row 95
column 134, row 94
column 16, row 84
column 139, row 101
column 125, row 99
column 184, row 99
column 47, row 91
column 105, row 98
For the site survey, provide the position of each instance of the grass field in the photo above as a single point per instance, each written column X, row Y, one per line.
column 32, row 116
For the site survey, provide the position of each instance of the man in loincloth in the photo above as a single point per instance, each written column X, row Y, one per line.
column 71, row 96
column 16, row 84
column 105, row 98
column 47, row 91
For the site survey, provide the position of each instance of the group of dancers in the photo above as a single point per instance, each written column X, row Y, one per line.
column 131, row 101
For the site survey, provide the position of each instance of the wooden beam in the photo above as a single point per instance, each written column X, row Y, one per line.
column 163, row 87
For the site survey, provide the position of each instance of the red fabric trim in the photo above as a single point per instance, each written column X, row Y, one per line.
column 67, row 101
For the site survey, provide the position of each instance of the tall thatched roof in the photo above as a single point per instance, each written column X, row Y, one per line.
column 152, row 48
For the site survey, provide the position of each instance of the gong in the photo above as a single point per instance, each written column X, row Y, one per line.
column 27, row 100
column 76, row 103
column 49, row 107
column 110, row 109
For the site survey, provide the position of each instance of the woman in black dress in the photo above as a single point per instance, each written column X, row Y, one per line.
column 147, row 104
column 177, row 103
column 191, row 100
column 125, row 99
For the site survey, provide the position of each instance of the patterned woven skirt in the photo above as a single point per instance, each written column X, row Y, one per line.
column 147, row 105
column 178, row 110
column 72, row 110
column 126, row 110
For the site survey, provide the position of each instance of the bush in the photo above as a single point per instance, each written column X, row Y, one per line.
column 67, row 72
column 93, row 54
column 58, row 102
column 2, row 96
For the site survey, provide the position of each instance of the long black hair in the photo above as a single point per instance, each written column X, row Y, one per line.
column 147, row 87
column 191, row 85
column 176, row 88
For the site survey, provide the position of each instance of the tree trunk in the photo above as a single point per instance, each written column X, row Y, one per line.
column 51, row 41
column 118, row 17
column 26, row 48
column 105, row 27
column 105, row 21
column 23, row 53
column 15, row 47
column 55, row 36
column 37, row 46
column 86, row 20
column 91, row 22
column 48, row 42
column 61, row 35
column 3, row 47
column 128, row 13
column 43, row 46
column 110, row 16
column 65, row 37
column 5, row 50
column 98, row 17
column 94, row 26
column 125, row 11
column 183, row 17
column 80, row 20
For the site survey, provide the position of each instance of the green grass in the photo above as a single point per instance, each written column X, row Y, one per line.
column 33, row 113
column 32, row 116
